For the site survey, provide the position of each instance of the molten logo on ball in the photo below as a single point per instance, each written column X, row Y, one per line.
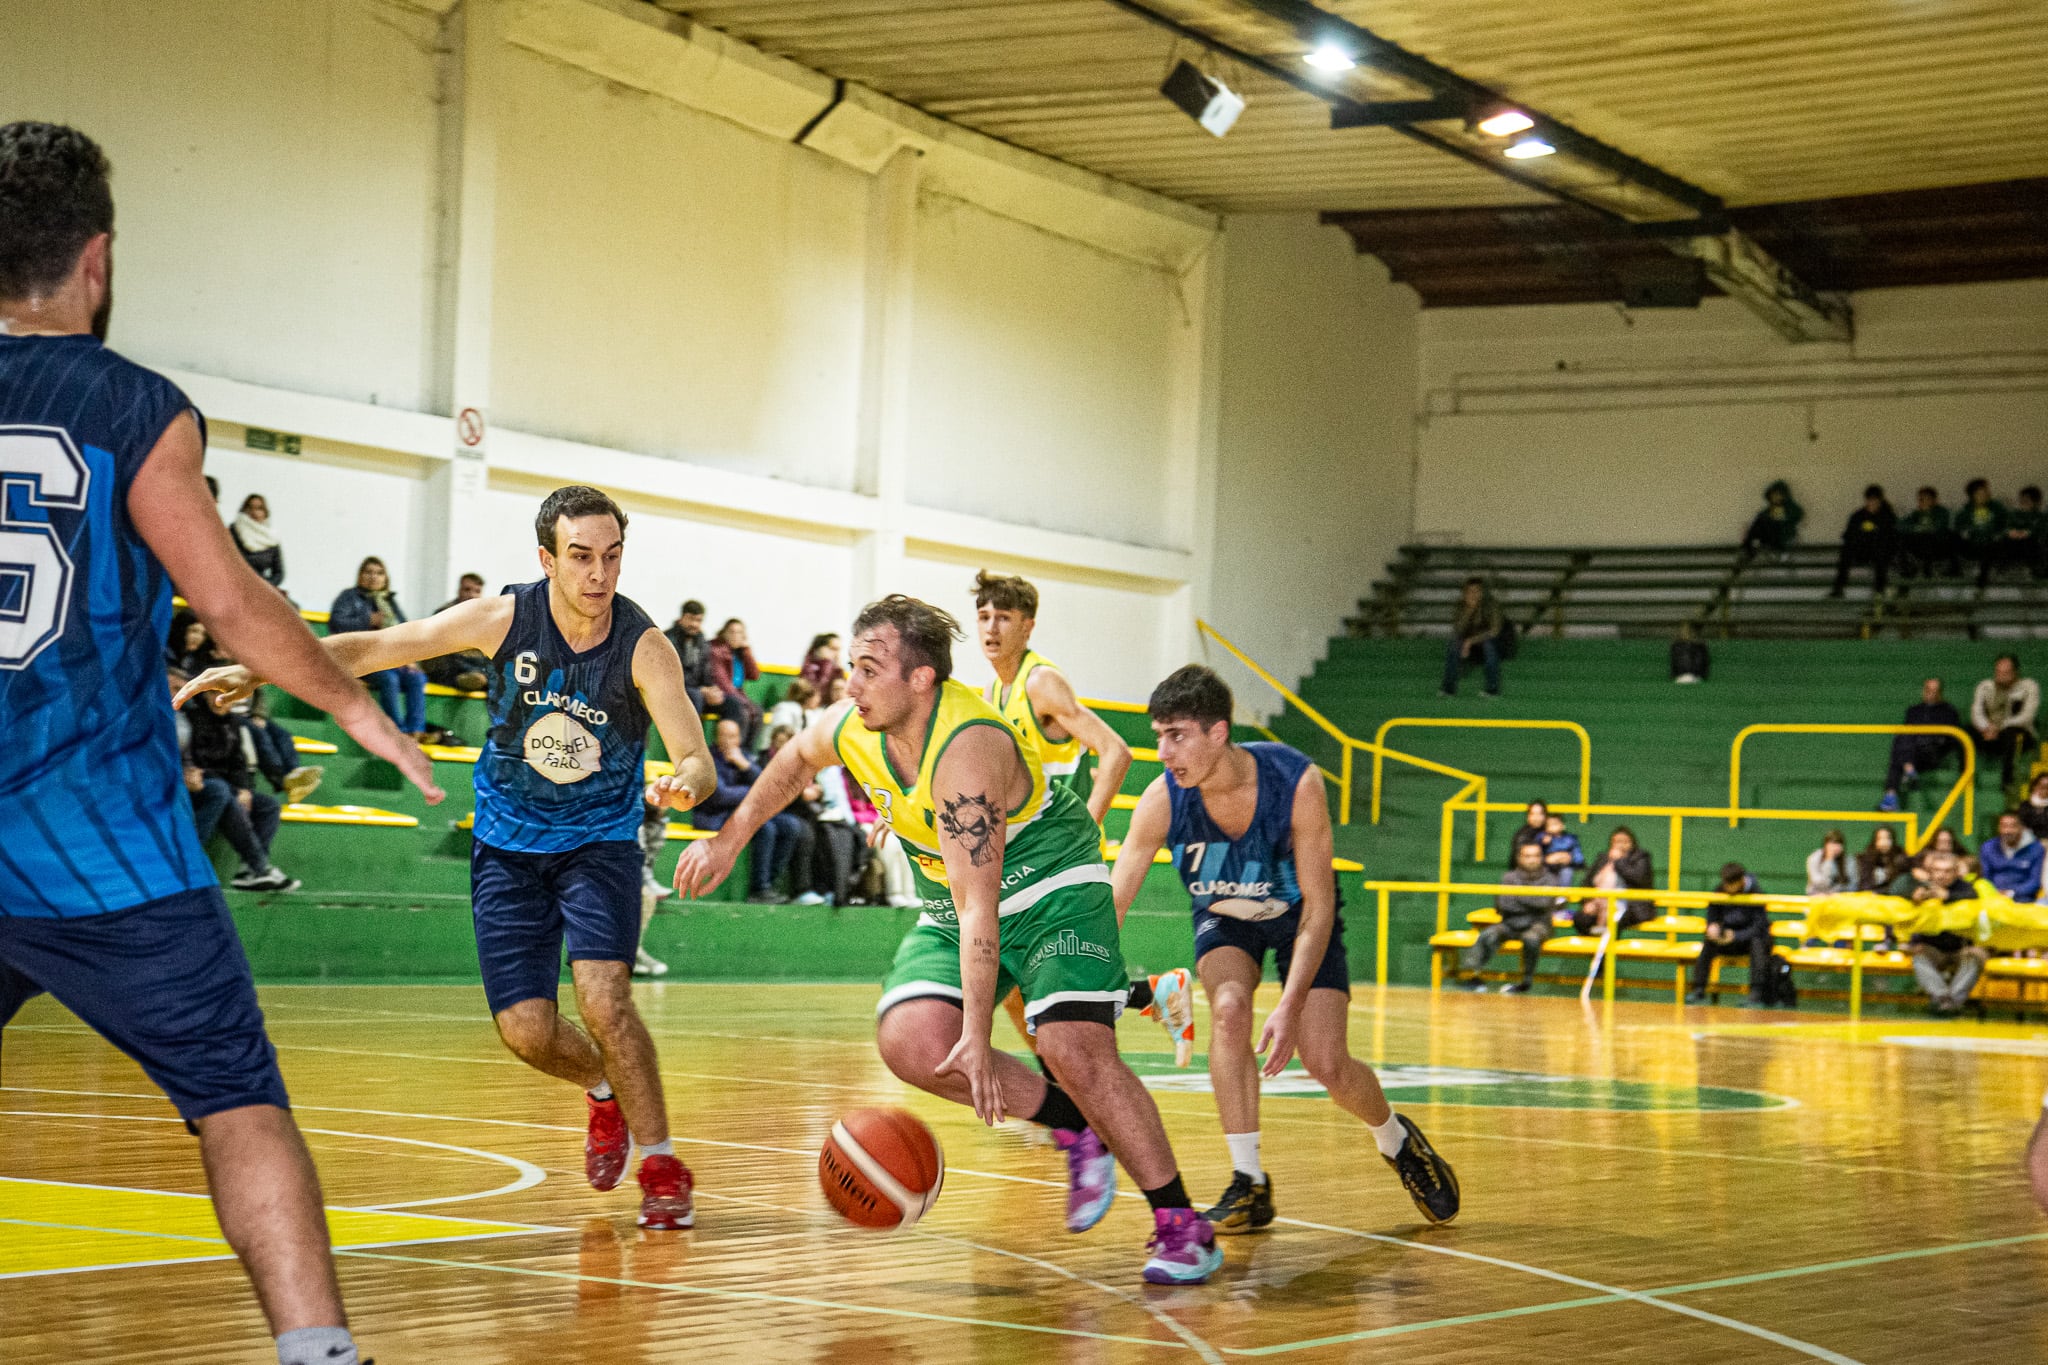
column 881, row 1168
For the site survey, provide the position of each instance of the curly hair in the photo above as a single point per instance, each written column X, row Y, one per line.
column 54, row 198
column 1005, row 592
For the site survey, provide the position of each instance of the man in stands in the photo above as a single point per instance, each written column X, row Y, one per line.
column 2024, row 531
column 1980, row 529
column 687, row 635
column 1926, row 546
column 1946, row 964
column 1869, row 538
column 469, row 670
column 2002, row 712
column 2012, row 861
column 1733, row 930
column 1523, row 918
column 1776, row 524
column 1914, row 755
column 1475, row 637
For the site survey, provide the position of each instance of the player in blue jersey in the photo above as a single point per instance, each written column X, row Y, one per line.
column 107, row 901
column 577, row 673
column 1250, row 835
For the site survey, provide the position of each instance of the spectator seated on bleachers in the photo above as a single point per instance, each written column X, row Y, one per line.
column 257, row 540
column 1927, row 545
column 1535, row 818
column 1881, row 862
column 1523, row 918
column 1774, row 527
column 1980, row 529
column 686, row 633
column 730, row 664
column 1625, row 866
column 776, row 844
column 272, row 748
column 2024, row 528
column 2002, row 713
column 1913, row 756
column 1869, row 538
column 1690, row 660
column 371, row 605
column 1561, row 851
column 2012, row 861
column 190, row 648
column 821, row 662
column 791, row 713
column 1829, row 872
column 1475, row 638
column 1946, row 963
column 1734, row 930
column 842, row 844
column 469, row 670
column 223, row 798
column 2033, row 811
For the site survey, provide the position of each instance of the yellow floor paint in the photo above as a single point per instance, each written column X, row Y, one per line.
column 48, row 1227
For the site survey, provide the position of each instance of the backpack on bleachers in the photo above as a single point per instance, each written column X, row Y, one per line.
column 1780, row 990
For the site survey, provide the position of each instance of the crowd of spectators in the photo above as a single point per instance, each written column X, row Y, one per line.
column 1982, row 536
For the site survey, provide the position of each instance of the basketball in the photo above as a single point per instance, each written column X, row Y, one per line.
column 881, row 1168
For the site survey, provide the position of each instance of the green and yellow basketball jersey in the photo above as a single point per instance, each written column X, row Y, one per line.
column 1065, row 761
column 1049, row 843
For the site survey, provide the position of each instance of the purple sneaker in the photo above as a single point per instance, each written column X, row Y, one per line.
column 1183, row 1248
column 1091, row 1177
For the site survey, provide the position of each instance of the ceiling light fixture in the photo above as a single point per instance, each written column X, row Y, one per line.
column 1528, row 147
column 1506, row 123
column 1329, row 57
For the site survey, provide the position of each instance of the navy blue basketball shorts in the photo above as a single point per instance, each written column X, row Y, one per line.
column 1256, row 936
column 165, row 982
column 527, row 905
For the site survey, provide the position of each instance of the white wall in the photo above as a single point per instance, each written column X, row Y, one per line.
column 1314, row 453
column 275, row 176
column 1556, row 425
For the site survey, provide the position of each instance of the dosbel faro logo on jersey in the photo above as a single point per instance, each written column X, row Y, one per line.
column 559, row 745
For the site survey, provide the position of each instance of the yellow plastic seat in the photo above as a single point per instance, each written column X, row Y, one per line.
column 313, row 746
column 300, row 814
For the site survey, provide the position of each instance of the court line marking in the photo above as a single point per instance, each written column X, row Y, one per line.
column 527, row 1173
column 755, row 1296
column 1606, row 1293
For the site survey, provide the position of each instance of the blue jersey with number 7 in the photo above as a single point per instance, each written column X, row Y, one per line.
column 94, row 816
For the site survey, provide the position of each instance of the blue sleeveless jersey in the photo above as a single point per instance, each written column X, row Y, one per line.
column 1251, row 877
column 94, row 816
column 565, row 764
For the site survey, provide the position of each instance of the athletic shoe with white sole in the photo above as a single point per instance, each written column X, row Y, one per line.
column 270, row 879
column 1183, row 1248
column 1427, row 1177
column 1173, row 1005
column 665, row 1202
column 646, row 964
column 299, row 783
column 1091, row 1177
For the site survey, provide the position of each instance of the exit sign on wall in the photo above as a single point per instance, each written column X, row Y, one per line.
column 281, row 442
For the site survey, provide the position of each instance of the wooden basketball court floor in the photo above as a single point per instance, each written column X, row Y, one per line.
column 1646, row 1185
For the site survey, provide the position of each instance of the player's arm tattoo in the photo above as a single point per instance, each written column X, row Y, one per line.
column 972, row 822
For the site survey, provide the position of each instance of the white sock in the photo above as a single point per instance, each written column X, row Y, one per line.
column 601, row 1092
column 317, row 1346
column 665, row 1147
column 1389, row 1136
column 1244, row 1154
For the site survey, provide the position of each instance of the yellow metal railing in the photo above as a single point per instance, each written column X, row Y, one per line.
column 1585, row 755
column 1965, row 787
column 1348, row 745
column 1678, row 815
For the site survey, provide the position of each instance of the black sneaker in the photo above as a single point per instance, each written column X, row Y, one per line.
column 1427, row 1177
column 273, row 879
column 1247, row 1206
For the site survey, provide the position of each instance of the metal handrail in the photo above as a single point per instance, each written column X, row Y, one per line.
column 1348, row 743
column 1447, row 723
column 1679, row 814
column 1966, row 785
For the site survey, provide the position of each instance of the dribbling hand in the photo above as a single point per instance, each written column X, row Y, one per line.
column 973, row 1061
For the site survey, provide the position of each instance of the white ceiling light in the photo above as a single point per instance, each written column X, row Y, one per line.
column 1506, row 123
column 1330, row 57
column 1528, row 147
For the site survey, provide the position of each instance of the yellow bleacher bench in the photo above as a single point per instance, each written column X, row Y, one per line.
column 347, row 815
column 443, row 690
column 313, row 746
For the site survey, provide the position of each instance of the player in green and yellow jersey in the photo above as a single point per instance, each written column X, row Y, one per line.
column 1035, row 697
column 1015, row 892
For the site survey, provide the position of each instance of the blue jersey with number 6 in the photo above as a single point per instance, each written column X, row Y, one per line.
column 94, row 816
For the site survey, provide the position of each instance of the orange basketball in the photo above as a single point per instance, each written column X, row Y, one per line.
column 881, row 1168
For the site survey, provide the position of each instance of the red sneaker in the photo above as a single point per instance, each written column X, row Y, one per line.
column 665, row 1186
column 607, row 1146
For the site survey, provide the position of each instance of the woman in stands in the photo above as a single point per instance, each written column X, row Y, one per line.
column 371, row 605
column 1944, row 841
column 2033, row 811
column 1881, row 862
column 257, row 541
column 1828, row 869
column 1531, row 832
column 730, row 664
column 821, row 662
column 1624, row 866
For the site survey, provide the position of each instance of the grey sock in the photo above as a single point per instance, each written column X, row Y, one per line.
column 317, row 1346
